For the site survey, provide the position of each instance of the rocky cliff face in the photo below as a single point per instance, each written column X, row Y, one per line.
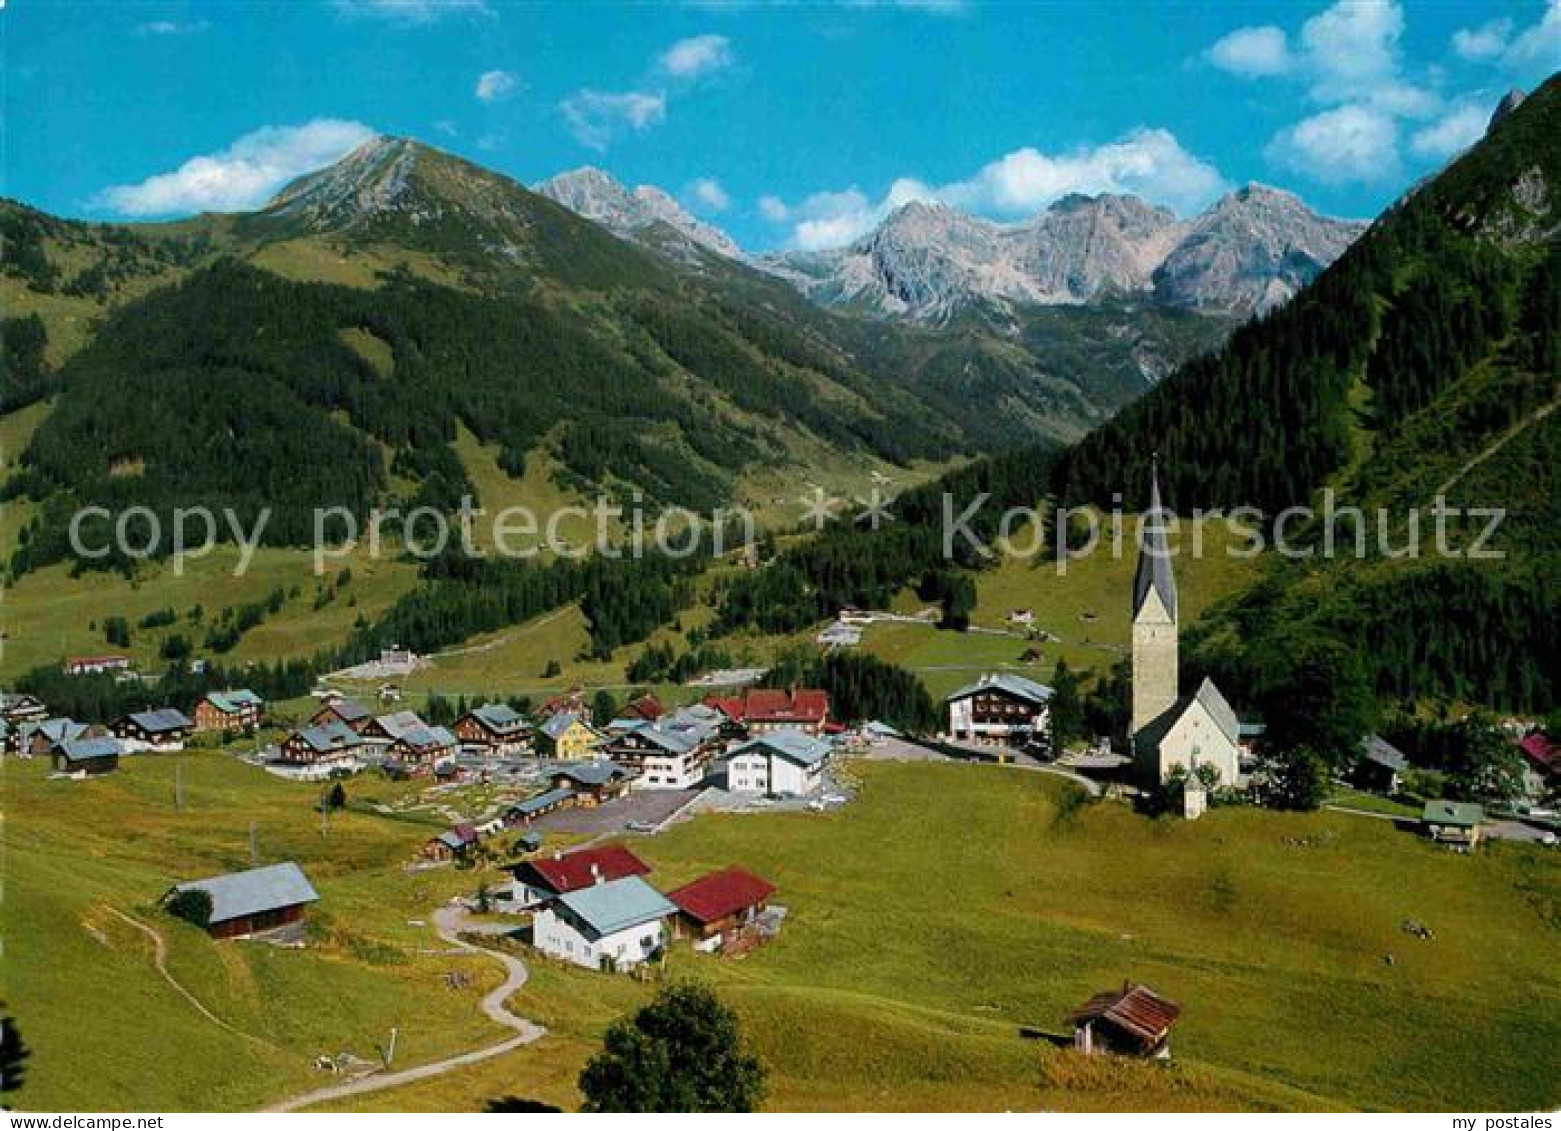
column 645, row 214
column 1251, row 250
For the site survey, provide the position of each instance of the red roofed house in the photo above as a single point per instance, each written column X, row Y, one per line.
column 646, row 707
column 1542, row 764
column 720, row 904
column 766, row 709
column 1132, row 1021
column 537, row 881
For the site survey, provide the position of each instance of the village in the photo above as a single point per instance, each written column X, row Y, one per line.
column 553, row 802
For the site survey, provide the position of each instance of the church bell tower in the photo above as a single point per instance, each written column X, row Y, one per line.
column 1154, row 616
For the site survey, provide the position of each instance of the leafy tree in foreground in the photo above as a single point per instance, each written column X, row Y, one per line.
column 191, row 905
column 682, row 1052
column 1296, row 778
column 1484, row 764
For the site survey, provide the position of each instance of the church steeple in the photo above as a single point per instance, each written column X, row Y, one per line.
column 1154, row 558
column 1154, row 615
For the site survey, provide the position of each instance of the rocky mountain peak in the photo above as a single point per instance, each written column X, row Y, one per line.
column 1509, row 102
column 644, row 214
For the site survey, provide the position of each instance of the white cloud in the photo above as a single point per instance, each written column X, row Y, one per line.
column 242, row 176
column 171, row 27
column 1537, row 49
column 412, row 11
column 1454, row 133
column 1487, row 41
column 1354, row 142
column 1253, row 51
column 708, row 192
column 597, row 116
column 1352, row 48
column 700, row 55
column 1146, row 162
column 495, row 85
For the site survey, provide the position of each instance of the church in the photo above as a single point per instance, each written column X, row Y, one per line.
column 1170, row 729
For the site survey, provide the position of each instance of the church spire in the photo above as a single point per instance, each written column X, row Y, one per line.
column 1154, row 557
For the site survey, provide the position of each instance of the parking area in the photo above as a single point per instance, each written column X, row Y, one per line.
column 645, row 807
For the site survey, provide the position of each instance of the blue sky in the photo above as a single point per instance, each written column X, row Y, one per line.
column 786, row 124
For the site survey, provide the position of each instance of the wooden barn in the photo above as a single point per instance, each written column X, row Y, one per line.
column 261, row 899
column 1132, row 1021
column 720, row 904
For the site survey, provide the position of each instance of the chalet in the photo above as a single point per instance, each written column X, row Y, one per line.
column 1132, row 1021
column 89, row 756
column 452, row 844
column 524, row 812
column 571, row 702
column 409, row 742
column 332, row 743
column 1541, row 765
column 261, row 899
column 40, row 740
column 238, row 710
column 593, row 782
column 721, row 904
column 342, row 710
column 17, row 708
column 537, row 881
column 612, row 925
column 672, row 753
column 787, row 762
column 494, row 728
column 1021, row 617
column 1001, row 708
column 95, row 665
column 765, row 710
column 163, row 730
column 1379, row 767
column 646, row 707
column 1453, row 822
column 567, row 737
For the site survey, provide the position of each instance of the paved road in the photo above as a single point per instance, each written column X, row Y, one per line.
column 449, row 922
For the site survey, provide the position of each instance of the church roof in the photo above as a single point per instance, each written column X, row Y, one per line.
column 1154, row 557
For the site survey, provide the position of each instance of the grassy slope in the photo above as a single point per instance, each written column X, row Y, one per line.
column 949, row 907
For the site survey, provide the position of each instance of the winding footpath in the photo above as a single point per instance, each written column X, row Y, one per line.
column 449, row 922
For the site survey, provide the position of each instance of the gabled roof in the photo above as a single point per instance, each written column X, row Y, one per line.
column 499, row 717
column 1016, row 685
column 334, row 735
column 1379, row 750
column 791, row 745
column 238, row 894
column 762, row 704
column 1154, row 555
column 541, row 802
column 575, row 869
column 348, row 710
column 617, row 905
column 234, row 702
column 400, row 724
column 89, row 749
column 1134, row 1009
column 1212, row 700
column 457, row 837
column 56, row 731
column 676, row 734
column 646, row 707
column 1538, row 749
column 422, row 736
column 1459, row 814
column 161, row 721
column 591, row 773
column 721, row 894
column 557, row 725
